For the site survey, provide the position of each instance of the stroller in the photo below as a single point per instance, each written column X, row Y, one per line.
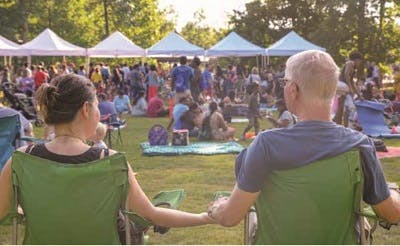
column 21, row 102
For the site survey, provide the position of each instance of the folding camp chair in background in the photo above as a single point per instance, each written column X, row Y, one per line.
column 113, row 125
column 9, row 130
column 371, row 118
column 73, row 204
column 311, row 205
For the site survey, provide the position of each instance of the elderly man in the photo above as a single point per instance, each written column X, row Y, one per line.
column 309, row 86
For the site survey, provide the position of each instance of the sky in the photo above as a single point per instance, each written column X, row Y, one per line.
column 216, row 11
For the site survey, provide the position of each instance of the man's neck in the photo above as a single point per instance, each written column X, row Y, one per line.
column 314, row 113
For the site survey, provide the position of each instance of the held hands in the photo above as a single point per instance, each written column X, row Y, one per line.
column 214, row 206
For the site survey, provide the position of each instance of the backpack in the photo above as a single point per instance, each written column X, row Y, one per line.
column 205, row 132
column 158, row 135
column 180, row 80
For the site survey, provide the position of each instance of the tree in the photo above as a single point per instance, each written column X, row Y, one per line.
column 199, row 34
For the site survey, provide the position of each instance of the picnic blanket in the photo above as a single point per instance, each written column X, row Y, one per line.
column 370, row 117
column 392, row 152
column 197, row 148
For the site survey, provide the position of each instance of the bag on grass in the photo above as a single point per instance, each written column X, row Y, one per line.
column 158, row 135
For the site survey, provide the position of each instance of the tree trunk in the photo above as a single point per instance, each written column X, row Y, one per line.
column 361, row 26
column 25, row 14
column 105, row 6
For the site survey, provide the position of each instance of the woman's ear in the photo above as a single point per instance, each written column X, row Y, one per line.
column 85, row 110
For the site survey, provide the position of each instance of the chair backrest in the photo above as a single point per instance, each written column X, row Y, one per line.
column 371, row 118
column 9, row 129
column 70, row 203
column 313, row 204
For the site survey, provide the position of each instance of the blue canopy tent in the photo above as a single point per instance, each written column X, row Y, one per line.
column 234, row 45
column 174, row 45
column 291, row 44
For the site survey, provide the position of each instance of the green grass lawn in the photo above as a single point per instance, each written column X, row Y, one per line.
column 199, row 176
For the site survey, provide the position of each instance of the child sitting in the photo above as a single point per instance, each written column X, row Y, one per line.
column 99, row 135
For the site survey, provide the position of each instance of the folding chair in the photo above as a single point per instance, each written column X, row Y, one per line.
column 9, row 130
column 112, row 125
column 72, row 204
column 320, row 203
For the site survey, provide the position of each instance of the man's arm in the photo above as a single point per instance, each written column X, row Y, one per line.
column 230, row 211
column 389, row 209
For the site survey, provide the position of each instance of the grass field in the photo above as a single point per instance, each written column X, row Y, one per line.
column 199, row 176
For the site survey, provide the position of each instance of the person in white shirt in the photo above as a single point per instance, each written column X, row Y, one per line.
column 286, row 118
column 140, row 107
column 99, row 135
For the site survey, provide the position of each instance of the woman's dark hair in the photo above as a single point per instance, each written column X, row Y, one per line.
column 60, row 100
column 153, row 67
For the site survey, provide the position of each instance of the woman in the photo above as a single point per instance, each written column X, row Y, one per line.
column 140, row 103
column 219, row 128
column 152, row 78
column 285, row 117
column 69, row 103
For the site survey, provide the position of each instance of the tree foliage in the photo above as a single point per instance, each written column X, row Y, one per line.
column 338, row 25
column 82, row 22
column 200, row 34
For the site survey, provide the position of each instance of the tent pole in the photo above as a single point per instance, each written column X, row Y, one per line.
column 10, row 61
column 257, row 63
column 29, row 60
column 5, row 60
column 267, row 60
column 87, row 65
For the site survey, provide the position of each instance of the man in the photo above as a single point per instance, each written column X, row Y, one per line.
column 135, row 78
column 347, row 75
column 40, row 77
column 196, row 80
column 207, row 81
column 310, row 84
column 253, row 112
column 181, row 77
column 105, row 107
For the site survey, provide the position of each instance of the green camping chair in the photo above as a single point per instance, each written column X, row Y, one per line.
column 73, row 204
column 319, row 203
column 9, row 130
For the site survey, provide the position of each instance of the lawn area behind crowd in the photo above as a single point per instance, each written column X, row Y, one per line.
column 199, row 176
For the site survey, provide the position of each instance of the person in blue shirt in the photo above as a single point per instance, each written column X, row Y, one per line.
column 309, row 86
column 179, row 109
column 181, row 77
column 122, row 103
column 207, row 81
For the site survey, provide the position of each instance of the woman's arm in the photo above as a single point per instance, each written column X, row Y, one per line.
column 138, row 202
column 5, row 190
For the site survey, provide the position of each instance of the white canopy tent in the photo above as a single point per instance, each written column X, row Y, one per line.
column 47, row 43
column 291, row 44
column 116, row 45
column 174, row 45
column 8, row 48
column 234, row 45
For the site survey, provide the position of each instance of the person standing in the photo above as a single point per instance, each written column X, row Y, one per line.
column 347, row 75
column 181, row 77
column 196, row 81
column 253, row 113
column 152, row 78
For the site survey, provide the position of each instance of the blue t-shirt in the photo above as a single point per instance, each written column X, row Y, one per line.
column 106, row 107
column 120, row 104
column 302, row 144
column 206, row 78
column 187, row 74
column 179, row 109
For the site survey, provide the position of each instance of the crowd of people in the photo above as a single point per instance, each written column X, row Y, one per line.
column 308, row 83
column 183, row 91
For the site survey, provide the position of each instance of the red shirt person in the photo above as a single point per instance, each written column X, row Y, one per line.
column 40, row 77
column 156, row 108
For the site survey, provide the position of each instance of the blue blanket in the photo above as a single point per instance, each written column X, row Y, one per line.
column 197, row 148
